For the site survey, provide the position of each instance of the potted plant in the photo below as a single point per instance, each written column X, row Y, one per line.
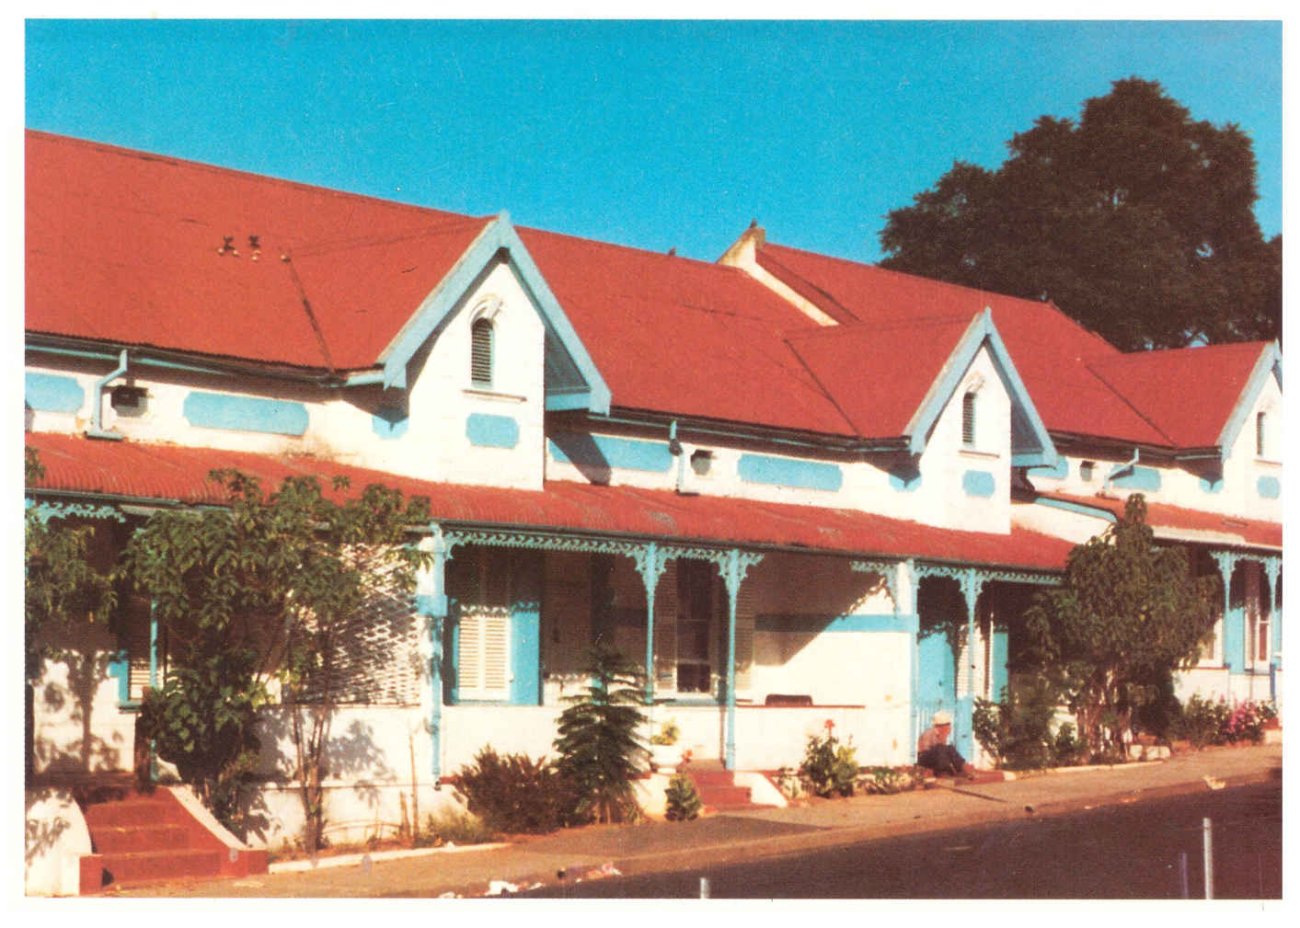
column 664, row 753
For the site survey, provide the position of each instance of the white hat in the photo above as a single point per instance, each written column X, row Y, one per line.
column 941, row 718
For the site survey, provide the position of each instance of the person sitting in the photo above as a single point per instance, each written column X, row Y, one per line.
column 935, row 753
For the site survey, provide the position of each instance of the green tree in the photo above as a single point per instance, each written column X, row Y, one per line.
column 1127, row 616
column 1136, row 220
column 600, row 750
column 257, row 590
column 63, row 590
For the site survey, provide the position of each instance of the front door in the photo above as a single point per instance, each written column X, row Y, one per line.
column 937, row 683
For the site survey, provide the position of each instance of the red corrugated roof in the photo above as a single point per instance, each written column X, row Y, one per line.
column 170, row 472
column 122, row 246
column 880, row 375
column 672, row 334
column 1186, row 524
column 1187, row 393
column 1050, row 351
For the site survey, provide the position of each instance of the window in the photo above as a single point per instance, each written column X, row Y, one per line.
column 1261, row 427
column 696, row 599
column 968, row 419
column 1258, row 644
column 480, row 353
column 480, row 580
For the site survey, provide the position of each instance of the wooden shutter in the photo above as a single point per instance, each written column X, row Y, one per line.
column 666, row 633
column 483, row 665
column 745, row 602
column 480, row 353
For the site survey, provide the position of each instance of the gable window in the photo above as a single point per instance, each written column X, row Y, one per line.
column 1261, row 434
column 968, row 419
column 480, row 353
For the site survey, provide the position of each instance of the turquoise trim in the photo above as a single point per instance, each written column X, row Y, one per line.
column 497, row 236
column 978, row 483
column 488, row 431
column 53, row 392
column 526, row 630
column 389, row 422
column 1268, row 487
column 1060, row 470
column 1030, row 443
column 605, row 452
column 1234, row 640
column 1078, row 508
column 820, row 624
column 1211, row 484
column 119, row 669
column 1001, row 651
column 1138, row 477
column 562, row 402
column 245, row 413
column 1268, row 364
column 788, row 472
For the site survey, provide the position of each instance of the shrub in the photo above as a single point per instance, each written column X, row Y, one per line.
column 1245, row 722
column 1017, row 732
column 1202, row 721
column 789, row 783
column 829, row 768
column 683, row 799
column 512, row 793
column 1067, row 748
column 600, row 753
column 667, row 735
column 453, row 826
column 886, row 781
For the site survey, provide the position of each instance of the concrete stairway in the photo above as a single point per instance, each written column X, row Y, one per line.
column 141, row 838
column 717, row 787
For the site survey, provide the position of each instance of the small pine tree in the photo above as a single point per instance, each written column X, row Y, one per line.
column 600, row 750
column 683, row 799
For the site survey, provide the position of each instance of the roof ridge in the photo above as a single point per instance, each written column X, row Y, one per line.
column 1146, row 354
column 763, row 261
column 325, row 246
column 266, row 179
column 698, row 262
column 1045, row 303
column 858, row 326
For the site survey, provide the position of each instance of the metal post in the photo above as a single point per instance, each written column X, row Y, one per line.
column 153, row 681
column 704, row 887
column 431, row 600
column 733, row 590
column 1182, row 876
column 1208, row 853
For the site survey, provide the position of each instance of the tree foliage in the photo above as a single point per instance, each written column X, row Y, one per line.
column 1137, row 220
column 255, row 591
column 1129, row 614
column 598, row 743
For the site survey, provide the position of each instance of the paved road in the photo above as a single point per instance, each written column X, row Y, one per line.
column 1129, row 851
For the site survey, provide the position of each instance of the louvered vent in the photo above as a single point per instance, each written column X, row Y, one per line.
column 480, row 353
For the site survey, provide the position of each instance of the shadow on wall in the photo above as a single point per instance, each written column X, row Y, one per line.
column 64, row 739
column 42, row 835
column 355, row 757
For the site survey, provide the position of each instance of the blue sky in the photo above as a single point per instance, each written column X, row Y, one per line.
column 653, row 134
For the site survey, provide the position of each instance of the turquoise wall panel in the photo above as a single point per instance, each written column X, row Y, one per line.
column 786, row 472
column 526, row 629
column 1138, row 478
column 53, row 392
column 245, row 413
column 604, row 452
column 390, row 422
column 978, row 483
column 1268, row 487
column 1000, row 653
column 488, row 431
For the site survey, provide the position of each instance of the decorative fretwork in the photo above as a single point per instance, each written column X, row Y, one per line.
column 887, row 570
column 49, row 509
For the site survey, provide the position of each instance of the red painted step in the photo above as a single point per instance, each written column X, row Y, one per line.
column 141, row 838
column 717, row 788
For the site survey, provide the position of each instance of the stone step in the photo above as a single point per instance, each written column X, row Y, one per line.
column 119, row 839
column 151, row 866
column 134, row 812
